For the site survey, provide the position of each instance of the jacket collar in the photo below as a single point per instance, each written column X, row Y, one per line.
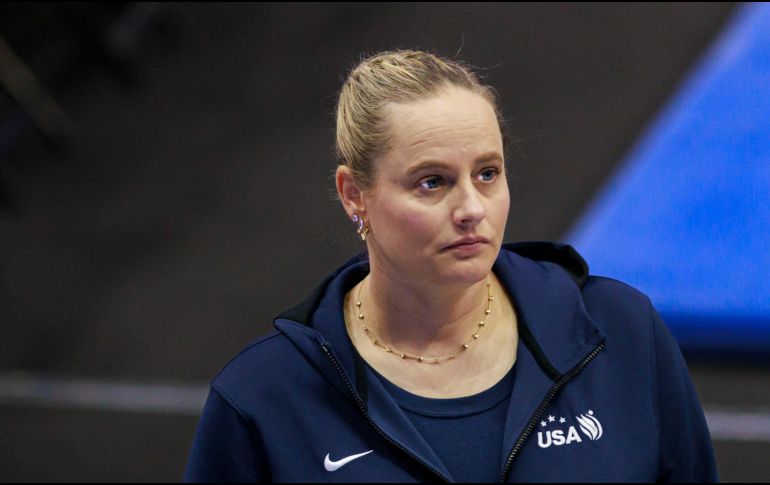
column 546, row 292
column 309, row 328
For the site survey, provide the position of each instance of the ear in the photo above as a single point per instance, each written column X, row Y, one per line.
column 349, row 193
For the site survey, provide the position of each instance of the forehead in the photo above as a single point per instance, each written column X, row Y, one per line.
column 454, row 124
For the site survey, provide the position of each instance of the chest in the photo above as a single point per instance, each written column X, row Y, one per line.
column 474, row 371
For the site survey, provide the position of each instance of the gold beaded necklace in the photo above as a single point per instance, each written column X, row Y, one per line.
column 419, row 358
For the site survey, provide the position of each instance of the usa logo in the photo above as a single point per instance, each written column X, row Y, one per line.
column 588, row 424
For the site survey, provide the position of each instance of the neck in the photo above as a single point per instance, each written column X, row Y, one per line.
column 417, row 317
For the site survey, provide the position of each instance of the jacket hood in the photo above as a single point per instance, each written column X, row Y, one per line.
column 543, row 279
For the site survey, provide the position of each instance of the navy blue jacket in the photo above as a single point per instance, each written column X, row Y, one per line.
column 601, row 392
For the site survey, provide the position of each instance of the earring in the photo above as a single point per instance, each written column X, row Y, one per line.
column 363, row 229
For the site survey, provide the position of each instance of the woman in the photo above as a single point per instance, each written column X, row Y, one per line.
column 440, row 353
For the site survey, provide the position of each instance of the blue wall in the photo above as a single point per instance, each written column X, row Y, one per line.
column 686, row 218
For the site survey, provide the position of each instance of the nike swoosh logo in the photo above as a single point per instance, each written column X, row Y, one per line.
column 336, row 465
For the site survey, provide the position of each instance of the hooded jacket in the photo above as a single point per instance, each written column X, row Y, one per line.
column 601, row 392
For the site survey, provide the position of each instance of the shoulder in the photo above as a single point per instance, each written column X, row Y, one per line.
column 257, row 350
column 628, row 317
column 614, row 295
column 257, row 368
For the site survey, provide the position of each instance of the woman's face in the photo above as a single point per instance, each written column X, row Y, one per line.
column 442, row 180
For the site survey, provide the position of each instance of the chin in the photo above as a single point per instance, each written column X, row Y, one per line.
column 468, row 271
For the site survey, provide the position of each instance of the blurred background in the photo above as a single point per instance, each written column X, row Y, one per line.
column 166, row 189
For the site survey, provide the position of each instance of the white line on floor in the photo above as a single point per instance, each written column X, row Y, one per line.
column 19, row 388
column 728, row 424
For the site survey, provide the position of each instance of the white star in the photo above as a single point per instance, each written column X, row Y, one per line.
column 542, row 423
column 562, row 420
column 551, row 419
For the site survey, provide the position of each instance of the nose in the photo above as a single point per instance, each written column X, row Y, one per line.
column 469, row 210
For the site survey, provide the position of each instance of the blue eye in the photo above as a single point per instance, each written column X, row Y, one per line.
column 428, row 182
column 493, row 171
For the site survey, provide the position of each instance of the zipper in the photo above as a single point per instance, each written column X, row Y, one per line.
column 541, row 409
column 362, row 408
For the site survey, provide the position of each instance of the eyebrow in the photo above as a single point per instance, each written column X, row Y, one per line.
column 485, row 157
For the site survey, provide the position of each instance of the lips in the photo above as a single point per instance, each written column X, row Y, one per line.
column 467, row 241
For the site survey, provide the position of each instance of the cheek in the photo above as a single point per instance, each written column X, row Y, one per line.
column 402, row 223
column 500, row 203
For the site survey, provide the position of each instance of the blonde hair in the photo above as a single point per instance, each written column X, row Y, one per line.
column 393, row 76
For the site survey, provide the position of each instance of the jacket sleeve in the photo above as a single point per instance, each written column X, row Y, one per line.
column 226, row 447
column 686, row 453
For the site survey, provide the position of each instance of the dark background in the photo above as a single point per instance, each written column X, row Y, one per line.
column 186, row 197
